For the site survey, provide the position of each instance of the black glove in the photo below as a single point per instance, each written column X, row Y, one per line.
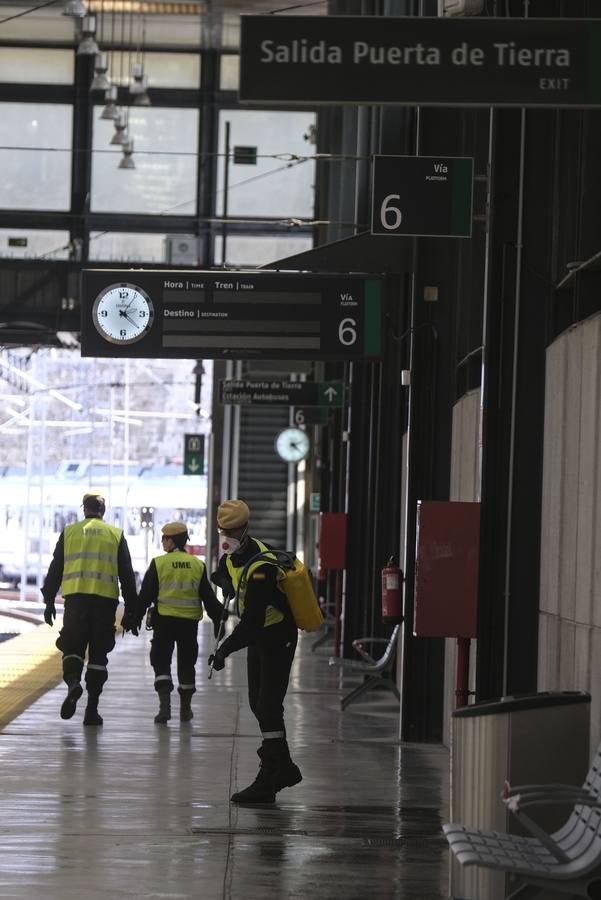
column 130, row 623
column 217, row 660
column 50, row 612
column 217, row 622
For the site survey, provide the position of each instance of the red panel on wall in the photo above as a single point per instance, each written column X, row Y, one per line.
column 446, row 569
column 332, row 541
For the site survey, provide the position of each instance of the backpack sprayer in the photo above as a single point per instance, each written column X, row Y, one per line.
column 293, row 580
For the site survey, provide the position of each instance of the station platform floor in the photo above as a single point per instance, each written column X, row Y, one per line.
column 137, row 810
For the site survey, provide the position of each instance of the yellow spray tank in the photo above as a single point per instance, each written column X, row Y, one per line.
column 296, row 584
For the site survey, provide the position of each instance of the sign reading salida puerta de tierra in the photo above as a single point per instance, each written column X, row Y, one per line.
column 421, row 61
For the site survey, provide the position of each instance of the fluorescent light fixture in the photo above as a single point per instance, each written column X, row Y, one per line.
column 40, row 384
column 142, row 414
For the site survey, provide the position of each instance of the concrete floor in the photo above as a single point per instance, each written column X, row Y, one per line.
column 134, row 809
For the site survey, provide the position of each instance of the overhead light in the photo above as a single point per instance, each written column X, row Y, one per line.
column 110, row 108
column 142, row 99
column 138, row 85
column 100, row 81
column 67, row 339
column 126, row 160
column 138, row 80
column 120, row 136
column 74, row 8
column 87, row 45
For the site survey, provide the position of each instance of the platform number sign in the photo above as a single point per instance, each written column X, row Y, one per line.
column 194, row 454
column 422, row 196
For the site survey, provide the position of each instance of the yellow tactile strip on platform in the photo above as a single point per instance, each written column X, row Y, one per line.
column 30, row 665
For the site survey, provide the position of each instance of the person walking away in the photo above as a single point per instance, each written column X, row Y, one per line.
column 90, row 560
column 176, row 584
column 268, row 630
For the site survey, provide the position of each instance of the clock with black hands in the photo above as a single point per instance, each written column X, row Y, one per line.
column 292, row 444
column 123, row 313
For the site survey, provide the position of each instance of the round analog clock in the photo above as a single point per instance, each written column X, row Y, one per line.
column 292, row 444
column 122, row 313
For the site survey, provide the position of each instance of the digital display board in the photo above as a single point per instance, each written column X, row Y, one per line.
column 230, row 315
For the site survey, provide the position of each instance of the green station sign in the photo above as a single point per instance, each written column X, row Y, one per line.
column 421, row 61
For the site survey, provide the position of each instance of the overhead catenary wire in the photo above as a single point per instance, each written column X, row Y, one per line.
column 27, row 11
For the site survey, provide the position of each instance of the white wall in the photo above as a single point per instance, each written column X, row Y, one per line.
column 569, row 652
column 465, row 485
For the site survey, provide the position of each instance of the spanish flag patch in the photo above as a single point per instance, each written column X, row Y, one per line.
column 259, row 576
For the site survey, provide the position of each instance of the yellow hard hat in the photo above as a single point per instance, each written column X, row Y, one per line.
column 232, row 514
column 173, row 528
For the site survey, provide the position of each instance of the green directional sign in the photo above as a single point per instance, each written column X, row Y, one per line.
column 282, row 393
column 421, row 60
column 194, row 454
column 330, row 393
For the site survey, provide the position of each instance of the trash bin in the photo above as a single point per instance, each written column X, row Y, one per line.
column 527, row 739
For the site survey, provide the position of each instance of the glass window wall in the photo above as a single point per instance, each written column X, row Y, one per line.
column 35, row 156
column 29, row 65
column 165, row 154
column 23, row 243
column 272, row 187
column 259, row 250
column 118, row 246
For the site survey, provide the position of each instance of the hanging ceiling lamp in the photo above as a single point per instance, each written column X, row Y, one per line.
column 100, row 81
column 127, row 160
column 120, row 136
column 110, row 98
column 87, row 45
column 138, row 86
column 74, row 8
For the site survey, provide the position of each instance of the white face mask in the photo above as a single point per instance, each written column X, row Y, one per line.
column 228, row 545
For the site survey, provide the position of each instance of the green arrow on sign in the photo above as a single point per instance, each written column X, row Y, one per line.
column 194, row 445
column 330, row 393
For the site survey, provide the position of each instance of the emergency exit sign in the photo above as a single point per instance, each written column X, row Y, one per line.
column 194, row 454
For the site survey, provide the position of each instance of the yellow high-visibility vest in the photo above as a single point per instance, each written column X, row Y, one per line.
column 90, row 566
column 180, row 575
column 272, row 615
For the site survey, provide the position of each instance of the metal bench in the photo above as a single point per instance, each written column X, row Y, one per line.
column 377, row 672
column 568, row 861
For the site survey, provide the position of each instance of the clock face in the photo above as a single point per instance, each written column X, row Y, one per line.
column 122, row 313
column 292, row 444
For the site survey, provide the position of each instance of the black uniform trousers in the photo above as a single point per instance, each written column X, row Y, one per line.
column 170, row 631
column 88, row 624
column 269, row 661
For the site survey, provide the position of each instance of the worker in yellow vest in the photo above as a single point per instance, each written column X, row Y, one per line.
column 177, row 586
column 90, row 560
column 268, row 630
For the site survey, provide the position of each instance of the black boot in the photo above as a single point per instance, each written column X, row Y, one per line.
column 164, row 713
column 185, row 708
column 285, row 772
column 91, row 716
column 74, row 692
column 262, row 789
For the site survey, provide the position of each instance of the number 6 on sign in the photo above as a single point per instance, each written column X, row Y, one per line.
column 347, row 334
column 388, row 209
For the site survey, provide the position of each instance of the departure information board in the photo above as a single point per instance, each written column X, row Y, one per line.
column 151, row 314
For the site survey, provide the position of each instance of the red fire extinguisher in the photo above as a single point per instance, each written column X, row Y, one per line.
column 392, row 592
